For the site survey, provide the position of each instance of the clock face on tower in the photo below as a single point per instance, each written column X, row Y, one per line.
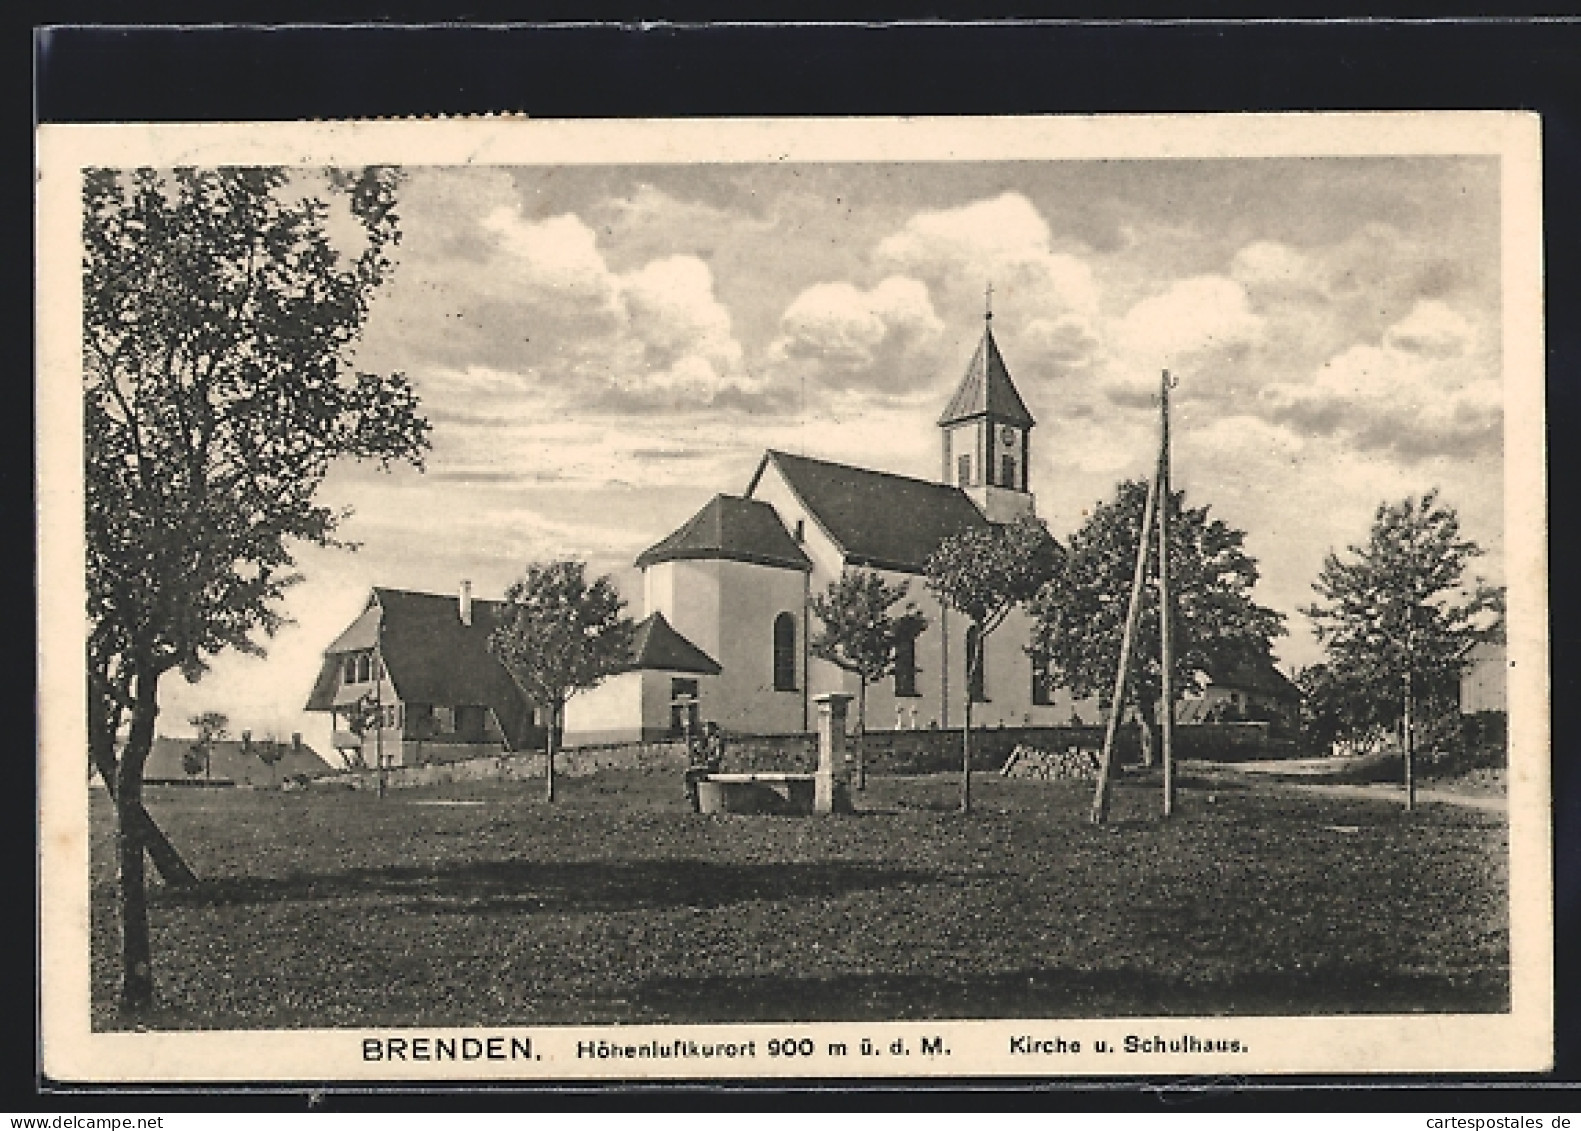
column 1007, row 436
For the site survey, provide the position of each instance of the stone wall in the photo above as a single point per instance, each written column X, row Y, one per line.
column 938, row 751
column 916, row 751
column 581, row 762
column 887, row 752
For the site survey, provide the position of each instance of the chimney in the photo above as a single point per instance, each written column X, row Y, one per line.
column 465, row 603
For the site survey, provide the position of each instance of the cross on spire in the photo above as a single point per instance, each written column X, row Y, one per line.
column 988, row 302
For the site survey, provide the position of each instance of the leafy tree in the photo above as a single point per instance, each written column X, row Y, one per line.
column 270, row 751
column 1081, row 615
column 1336, row 710
column 984, row 574
column 1398, row 616
column 558, row 635
column 219, row 316
column 211, row 727
column 861, row 635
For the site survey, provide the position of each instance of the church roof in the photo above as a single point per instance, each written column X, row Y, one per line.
column 658, row 647
column 987, row 390
column 732, row 528
column 878, row 520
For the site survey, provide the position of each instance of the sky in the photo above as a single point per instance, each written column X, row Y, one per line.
column 601, row 349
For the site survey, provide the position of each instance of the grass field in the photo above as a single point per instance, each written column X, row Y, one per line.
column 482, row 905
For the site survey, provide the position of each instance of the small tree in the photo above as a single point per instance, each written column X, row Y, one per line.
column 269, row 753
column 1081, row 616
column 212, row 726
column 1397, row 617
column 861, row 635
column 362, row 716
column 557, row 635
column 984, row 574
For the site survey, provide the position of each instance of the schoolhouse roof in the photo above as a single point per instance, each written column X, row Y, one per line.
column 657, row 646
column 1259, row 676
column 430, row 655
column 734, row 529
column 987, row 390
column 233, row 761
column 877, row 519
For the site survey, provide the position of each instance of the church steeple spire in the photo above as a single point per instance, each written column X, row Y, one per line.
column 986, row 431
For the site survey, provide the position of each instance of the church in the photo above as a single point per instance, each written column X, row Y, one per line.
column 727, row 597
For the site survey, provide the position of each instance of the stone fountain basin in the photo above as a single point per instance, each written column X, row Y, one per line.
column 776, row 794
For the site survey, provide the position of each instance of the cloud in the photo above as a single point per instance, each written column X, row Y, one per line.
column 1432, row 329
column 1196, row 328
column 670, row 344
column 1046, row 299
column 1205, row 312
column 1423, row 391
column 1274, row 266
column 837, row 332
column 558, row 254
column 1005, row 241
column 683, row 331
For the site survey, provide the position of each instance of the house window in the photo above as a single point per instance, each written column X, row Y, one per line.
column 976, row 664
column 420, row 721
column 1007, row 471
column 1042, row 693
column 963, row 471
column 906, row 662
column 683, row 707
column 364, row 667
column 785, row 652
column 469, row 723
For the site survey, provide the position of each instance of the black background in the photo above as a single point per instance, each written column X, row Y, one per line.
column 371, row 61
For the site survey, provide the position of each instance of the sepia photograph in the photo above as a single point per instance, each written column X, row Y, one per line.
column 879, row 598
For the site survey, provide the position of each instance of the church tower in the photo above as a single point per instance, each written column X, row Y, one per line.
column 986, row 432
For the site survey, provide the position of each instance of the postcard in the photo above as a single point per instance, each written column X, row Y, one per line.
column 763, row 599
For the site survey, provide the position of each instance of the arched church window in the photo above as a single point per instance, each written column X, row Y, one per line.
column 976, row 665
column 785, row 652
column 1007, row 472
column 963, row 471
column 906, row 662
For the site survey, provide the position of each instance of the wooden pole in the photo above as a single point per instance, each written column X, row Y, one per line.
column 1100, row 801
column 1166, row 606
column 378, row 718
column 972, row 654
column 1409, row 739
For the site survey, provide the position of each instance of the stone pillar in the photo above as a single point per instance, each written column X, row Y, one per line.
column 831, row 785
